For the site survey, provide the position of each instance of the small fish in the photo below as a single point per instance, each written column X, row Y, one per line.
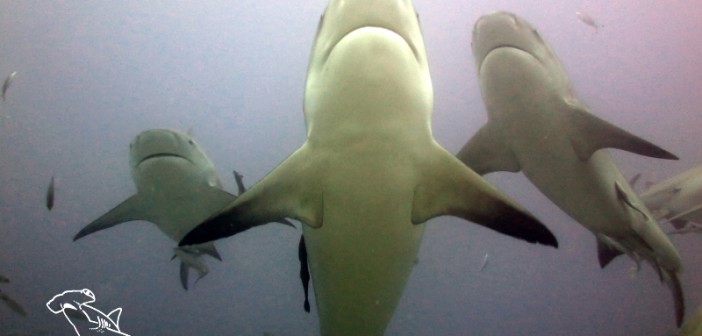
column 4, row 279
column 485, row 259
column 13, row 304
column 304, row 271
column 239, row 182
column 588, row 20
column 7, row 83
column 50, row 194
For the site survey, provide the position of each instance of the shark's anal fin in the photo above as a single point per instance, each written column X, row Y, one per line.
column 589, row 133
column 450, row 188
column 289, row 191
column 129, row 210
column 485, row 153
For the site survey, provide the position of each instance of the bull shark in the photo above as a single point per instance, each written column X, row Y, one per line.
column 177, row 188
column 692, row 325
column 677, row 199
column 538, row 126
column 370, row 173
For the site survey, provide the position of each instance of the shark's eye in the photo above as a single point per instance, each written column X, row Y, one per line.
column 191, row 142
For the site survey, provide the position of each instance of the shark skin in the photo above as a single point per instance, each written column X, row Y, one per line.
column 370, row 172
column 177, row 188
column 677, row 199
column 692, row 325
column 537, row 125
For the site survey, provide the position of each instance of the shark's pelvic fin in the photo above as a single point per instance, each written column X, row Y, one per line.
column 590, row 133
column 450, row 188
column 606, row 253
column 486, row 152
column 210, row 250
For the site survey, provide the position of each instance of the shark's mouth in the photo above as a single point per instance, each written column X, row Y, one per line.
column 341, row 37
column 162, row 155
column 502, row 46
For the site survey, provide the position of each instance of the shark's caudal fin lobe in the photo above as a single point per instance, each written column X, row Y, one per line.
column 450, row 188
column 590, row 133
column 126, row 211
column 291, row 190
column 486, row 152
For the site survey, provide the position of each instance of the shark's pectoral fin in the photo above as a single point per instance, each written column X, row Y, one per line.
column 131, row 209
column 215, row 198
column 486, row 152
column 291, row 190
column 447, row 187
column 589, row 133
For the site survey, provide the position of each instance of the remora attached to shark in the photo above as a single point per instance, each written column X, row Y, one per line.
column 177, row 188
column 537, row 125
column 370, row 172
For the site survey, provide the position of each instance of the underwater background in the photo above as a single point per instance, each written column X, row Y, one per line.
column 93, row 74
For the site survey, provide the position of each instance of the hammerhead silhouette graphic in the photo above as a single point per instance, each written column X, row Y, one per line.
column 75, row 304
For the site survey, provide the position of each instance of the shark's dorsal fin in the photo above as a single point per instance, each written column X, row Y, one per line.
column 486, row 152
column 129, row 210
column 115, row 316
column 588, row 133
column 291, row 190
column 447, row 187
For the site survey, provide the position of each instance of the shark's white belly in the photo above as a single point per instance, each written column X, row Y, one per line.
column 363, row 254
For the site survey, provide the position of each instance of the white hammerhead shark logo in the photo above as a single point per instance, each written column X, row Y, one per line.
column 75, row 304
